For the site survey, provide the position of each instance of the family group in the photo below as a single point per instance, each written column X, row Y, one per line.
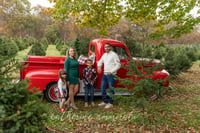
column 70, row 77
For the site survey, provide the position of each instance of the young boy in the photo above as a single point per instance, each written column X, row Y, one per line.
column 89, row 77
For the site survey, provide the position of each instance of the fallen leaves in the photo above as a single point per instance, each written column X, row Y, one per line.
column 177, row 111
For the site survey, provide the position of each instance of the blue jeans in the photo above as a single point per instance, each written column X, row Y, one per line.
column 107, row 80
column 87, row 89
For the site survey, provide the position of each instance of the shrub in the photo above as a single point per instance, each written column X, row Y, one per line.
column 8, row 47
column 191, row 53
column 141, row 87
column 84, row 46
column 37, row 49
column 147, row 51
column 198, row 55
column 135, row 48
column 81, row 45
column 77, row 46
column 197, row 47
column 64, row 49
column 20, row 43
column 30, row 41
column 20, row 110
column 57, row 41
column 44, row 43
column 159, row 51
column 169, row 60
column 176, row 61
column 182, row 62
column 59, row 44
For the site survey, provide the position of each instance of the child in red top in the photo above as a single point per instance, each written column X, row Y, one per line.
column 89, row 77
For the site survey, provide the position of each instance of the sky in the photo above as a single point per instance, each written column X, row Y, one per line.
column 44, row 3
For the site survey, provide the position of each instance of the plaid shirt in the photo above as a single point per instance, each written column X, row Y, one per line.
column 89, row 76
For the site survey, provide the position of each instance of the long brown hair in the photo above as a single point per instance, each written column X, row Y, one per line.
column 61, row 72
column 67, row 53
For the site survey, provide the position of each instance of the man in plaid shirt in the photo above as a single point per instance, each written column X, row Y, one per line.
column 89, row 77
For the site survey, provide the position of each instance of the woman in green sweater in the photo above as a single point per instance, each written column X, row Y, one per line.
column 71, row 65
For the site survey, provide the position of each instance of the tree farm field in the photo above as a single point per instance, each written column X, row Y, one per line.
column 176, row 111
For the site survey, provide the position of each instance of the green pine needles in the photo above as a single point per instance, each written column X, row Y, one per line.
column 20, row 110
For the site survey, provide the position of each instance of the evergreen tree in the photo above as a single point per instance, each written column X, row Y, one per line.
column 20, row 110
column 37, row 49
column 77, row 45
column 20, row 43
column 176, row 61
column 44, row 43
column 191, row 53
column 140, row 85
column 30, row 41
column 84, row 46
column 8, row 47
column 64, row 48
column 135, row 48
column 59, row 44
column 147, row 51
column 81, row 45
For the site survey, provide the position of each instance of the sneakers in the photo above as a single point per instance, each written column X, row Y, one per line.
column 93, row 104
column 86, row 104
column 62, row 110
column 74, row 107
column 102, row 104
column 108, row 106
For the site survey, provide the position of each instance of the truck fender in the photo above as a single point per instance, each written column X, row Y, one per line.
column 40, row 78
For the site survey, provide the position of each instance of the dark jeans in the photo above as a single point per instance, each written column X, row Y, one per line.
column 87, row 89
column 107, row 80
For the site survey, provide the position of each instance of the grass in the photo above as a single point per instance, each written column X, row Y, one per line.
column 177, row 111
column 52, row 51
column 22, row 55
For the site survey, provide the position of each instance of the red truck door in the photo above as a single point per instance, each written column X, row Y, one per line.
column 118, row 48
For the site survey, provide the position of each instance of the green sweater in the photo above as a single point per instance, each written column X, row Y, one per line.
column 72, row 68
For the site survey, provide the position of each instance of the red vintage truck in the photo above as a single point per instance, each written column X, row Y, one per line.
column 42, row 71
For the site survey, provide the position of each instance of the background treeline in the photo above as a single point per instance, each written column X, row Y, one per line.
column 18, row 19
column 176, row 58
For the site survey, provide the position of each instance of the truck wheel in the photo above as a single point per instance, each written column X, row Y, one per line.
column 51, row 92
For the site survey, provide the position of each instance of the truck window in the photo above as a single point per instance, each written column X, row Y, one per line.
column 92, row 56
column 121, row 52
column 92, row 49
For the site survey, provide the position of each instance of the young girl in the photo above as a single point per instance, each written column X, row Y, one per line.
column 62, row 86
